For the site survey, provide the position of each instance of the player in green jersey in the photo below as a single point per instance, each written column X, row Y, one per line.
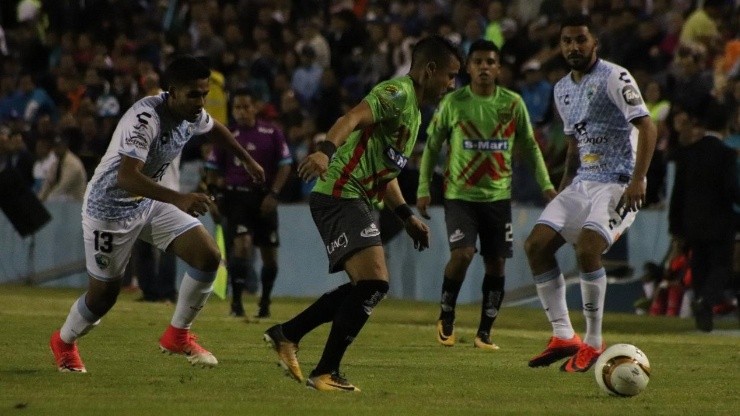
column 357, row 164
column 481, row 124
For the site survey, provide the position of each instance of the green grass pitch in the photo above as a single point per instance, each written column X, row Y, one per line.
column 395, row 361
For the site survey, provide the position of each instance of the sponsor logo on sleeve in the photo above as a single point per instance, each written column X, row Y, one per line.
column 396, row 157
column 631, row 95
column 137, row 140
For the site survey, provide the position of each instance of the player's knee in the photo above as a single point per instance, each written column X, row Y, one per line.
column 533, row 246
column 587, row 256
column 208, row 259
column 463, row 256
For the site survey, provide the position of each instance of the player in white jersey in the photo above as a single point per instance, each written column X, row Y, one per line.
column 611, row 142
column 124, row 201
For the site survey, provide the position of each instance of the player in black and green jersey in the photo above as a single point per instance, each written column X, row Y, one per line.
column 481, row 124
column 358, row 163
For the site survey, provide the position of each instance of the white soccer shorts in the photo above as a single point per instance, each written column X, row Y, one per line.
column 592, row 205
column 108, row 244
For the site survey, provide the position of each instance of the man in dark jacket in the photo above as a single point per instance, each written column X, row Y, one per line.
column 701, row 211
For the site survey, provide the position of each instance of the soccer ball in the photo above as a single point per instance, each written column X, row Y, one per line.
column 622, row 370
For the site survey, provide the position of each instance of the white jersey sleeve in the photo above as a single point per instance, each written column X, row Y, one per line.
column 138, row 130
column 624, row 93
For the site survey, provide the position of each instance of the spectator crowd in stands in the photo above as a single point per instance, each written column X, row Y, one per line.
column 69, row 69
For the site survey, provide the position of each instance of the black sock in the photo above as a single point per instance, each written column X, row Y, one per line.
column 269, row 274
column 320, row 312
column 450, row 291
column 348, row 322
column 493, row 296
column 238, row 269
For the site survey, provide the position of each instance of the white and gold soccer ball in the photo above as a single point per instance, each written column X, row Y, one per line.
column 622, row 370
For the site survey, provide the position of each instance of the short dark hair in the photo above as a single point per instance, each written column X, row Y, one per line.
column 483, row 45
column 577, row 20
column 185, row 69
column 434, row 48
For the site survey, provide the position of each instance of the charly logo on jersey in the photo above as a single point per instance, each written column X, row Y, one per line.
column 371, row 231
column 457, row 236
column 102, row 261
column 631, row 95
column 491, row 145
column 565, row 99
column 341, row 242
column 396, row 157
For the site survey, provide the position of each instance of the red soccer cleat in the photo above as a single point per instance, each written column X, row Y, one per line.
column 557, row 349
column 67, row 356
column 583, row 360
column 181, row 341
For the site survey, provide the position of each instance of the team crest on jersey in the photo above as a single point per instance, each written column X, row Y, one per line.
column 590, row 92
column 392, row 90
column 504, row 114
column 631, row 95
column 565, row 98
column 102, row 261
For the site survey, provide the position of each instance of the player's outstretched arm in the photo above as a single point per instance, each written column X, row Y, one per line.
column 223, row 137
column 317, row 163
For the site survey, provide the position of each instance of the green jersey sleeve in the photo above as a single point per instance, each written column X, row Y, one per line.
column 375, row 155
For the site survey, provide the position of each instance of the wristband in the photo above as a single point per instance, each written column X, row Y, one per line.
column 326, row 147
column 403, row 212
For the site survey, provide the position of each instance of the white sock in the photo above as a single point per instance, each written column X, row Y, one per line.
column 551, row 291
column 80, row 321
column 191, row 299
column 593, row 291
